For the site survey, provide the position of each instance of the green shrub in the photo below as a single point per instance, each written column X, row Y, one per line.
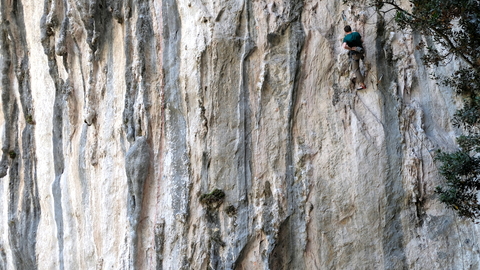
column 213, row 199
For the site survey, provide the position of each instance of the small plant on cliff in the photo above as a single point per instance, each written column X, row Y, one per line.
column 12, row 154
column 231, row 210
column 213, row 199
column 29, row 120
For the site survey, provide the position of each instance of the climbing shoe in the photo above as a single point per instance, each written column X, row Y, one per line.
column 361, row 87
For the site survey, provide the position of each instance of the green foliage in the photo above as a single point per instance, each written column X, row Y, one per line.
column 461, row 171
column 12, row 154
column 469, row 143
column 213, row 199
column 468, row 116
column 465, row 81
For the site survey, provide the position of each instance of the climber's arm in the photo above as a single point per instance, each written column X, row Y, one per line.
column 346, row 47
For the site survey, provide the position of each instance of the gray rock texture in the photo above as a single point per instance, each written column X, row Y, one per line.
column 117, row 116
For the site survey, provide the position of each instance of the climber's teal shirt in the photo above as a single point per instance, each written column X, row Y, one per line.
column 353, row 39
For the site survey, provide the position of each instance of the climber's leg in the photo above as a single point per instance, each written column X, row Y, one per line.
column 356, row 69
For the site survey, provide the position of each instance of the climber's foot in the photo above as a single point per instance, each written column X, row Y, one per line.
column 361, row 87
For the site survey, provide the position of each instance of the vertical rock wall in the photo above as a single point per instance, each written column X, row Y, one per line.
column 117, row 116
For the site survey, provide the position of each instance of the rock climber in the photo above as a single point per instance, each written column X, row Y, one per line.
column 354, row 43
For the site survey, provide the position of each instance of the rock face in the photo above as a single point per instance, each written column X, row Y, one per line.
column 117, row 116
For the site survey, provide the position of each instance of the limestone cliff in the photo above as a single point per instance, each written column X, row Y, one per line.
column 117, row 116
